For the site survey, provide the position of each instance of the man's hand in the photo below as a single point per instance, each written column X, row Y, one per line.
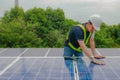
column 95, row 61
column 99, row 57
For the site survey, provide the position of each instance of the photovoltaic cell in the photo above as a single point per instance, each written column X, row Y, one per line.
column 56, row 52
column 12, row 52
column 5, row 62
column 109, row 51
column 35, row 52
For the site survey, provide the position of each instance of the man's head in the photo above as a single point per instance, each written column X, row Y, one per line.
column 96, row 21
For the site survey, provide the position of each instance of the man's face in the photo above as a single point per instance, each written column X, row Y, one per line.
column 91, row 28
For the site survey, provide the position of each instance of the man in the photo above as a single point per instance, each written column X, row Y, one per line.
column 78, row 38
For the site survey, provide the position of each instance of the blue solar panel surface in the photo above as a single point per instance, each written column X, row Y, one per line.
column 44, row 64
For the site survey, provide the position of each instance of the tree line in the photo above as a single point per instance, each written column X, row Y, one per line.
column 38, row 27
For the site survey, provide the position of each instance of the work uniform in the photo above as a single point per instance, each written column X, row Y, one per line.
column 75, row 34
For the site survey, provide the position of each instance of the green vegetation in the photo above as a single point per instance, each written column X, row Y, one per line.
column 48, row 27
column 108, row 36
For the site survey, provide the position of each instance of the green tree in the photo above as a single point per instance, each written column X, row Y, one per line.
column 48, row 27
column 103, row 38
column 14, row 32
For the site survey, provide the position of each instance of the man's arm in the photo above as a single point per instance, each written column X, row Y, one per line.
column 92, row 46
column 87, row 53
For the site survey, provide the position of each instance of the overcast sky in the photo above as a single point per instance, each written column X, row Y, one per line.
column 78, row 10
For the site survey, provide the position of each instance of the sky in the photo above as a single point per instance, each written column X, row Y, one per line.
column 78, row 10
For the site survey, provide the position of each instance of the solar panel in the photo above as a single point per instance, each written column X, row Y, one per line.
column 1, row 49
column 110, row 51
column 26, row 67
column 38, row 69
column 10, row 52
column 36, row 52
column 56, row 52
column 5, row 62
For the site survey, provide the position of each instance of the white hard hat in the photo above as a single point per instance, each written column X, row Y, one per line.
column 96, row 21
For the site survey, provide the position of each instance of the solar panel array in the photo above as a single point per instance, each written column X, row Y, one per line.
column 49, row 64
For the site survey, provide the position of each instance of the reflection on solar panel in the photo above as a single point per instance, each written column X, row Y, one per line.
column 48, row 67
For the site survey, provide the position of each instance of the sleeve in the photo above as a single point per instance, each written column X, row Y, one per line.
column 79, row 35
